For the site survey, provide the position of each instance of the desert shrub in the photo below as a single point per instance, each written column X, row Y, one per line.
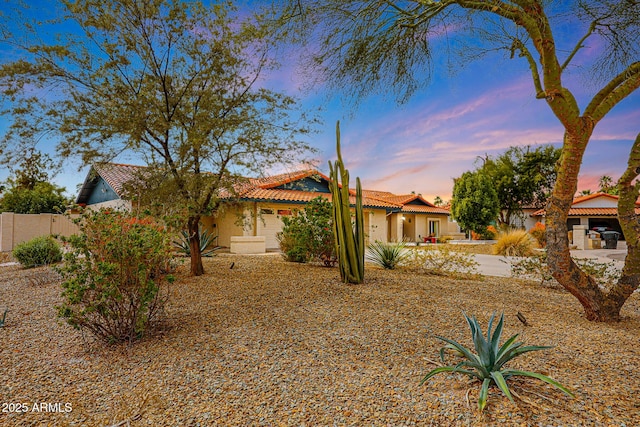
column 444, row 239
column 532, row 268
column 536, row 268
column 514, row 243
column 538, row 232
column 605, row 273
column 486, row 365
column 387, row 255
column 443, row 261
column 115, row 275
column 308, row 234
column 42, row 276
column 293, row 240
column 39, row 251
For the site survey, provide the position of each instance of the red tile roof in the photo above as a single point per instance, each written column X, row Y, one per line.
column 424, row 209
column 264, row 188
column 593, row 211
column 280, row 195
column 588, row 212
column 117, row 174
column 285, row 178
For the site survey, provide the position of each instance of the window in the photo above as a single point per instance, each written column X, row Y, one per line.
column 266, row 211
column 284, row 212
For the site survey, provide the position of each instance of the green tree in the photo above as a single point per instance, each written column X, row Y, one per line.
column 34, row 167
column 175, row 82
column 474, row 203
column 522, row 176
column 607, row 186
column 43, row 198
column 29, row 191
column 366, row 46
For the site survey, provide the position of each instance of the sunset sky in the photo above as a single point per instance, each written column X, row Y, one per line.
column 421, row 146
column 439, row 134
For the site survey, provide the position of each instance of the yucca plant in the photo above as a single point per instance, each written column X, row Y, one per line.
column 207, row 248
column 387, row 255
column 487, row 364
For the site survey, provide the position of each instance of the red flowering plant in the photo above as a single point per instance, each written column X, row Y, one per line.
column 115, row 275
column 538, row 232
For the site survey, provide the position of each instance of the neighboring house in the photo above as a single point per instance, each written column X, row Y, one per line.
column 260, row 203
column 526, row 218
column 593, row 211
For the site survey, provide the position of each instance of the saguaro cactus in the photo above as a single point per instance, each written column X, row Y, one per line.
column 349, row 237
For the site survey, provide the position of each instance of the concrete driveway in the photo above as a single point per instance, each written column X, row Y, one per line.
column 494, row 265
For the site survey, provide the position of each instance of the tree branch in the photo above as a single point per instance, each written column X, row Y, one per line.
column 533, row 66
column 579, row 45
column 615, row 91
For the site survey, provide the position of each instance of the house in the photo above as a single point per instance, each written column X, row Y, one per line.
column 259, row 205
column 592, row 211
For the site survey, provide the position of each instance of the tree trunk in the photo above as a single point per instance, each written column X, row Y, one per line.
column 630, row 224
column 601, row 305
column 197, row 268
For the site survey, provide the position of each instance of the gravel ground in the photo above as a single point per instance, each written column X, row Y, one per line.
column 270, row 343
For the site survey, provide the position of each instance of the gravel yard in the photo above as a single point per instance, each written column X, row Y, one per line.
column 270, row 343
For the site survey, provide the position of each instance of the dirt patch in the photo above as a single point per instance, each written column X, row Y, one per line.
column 274, row 343
column 470, row 248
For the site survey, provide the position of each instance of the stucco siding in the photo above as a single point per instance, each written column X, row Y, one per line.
column 224, row 225
column 598, row 202
column 377, row 226
column 117, row 204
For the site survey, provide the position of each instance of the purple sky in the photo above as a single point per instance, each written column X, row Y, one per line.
column 421, row 146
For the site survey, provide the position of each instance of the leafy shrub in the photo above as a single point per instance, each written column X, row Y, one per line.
column 514, row 243
column 207, row 247
column 115, row 275
column 293, row 243
column 308, row 234
column 39, row 251
column 487, row 363
column 387, row 255
column 538, row 232
column 443, row 261
column 535, row 268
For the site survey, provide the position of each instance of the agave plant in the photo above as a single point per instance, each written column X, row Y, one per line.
column 387, row 255
column 207, row 248
column 4, row 317
column 488, row 364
